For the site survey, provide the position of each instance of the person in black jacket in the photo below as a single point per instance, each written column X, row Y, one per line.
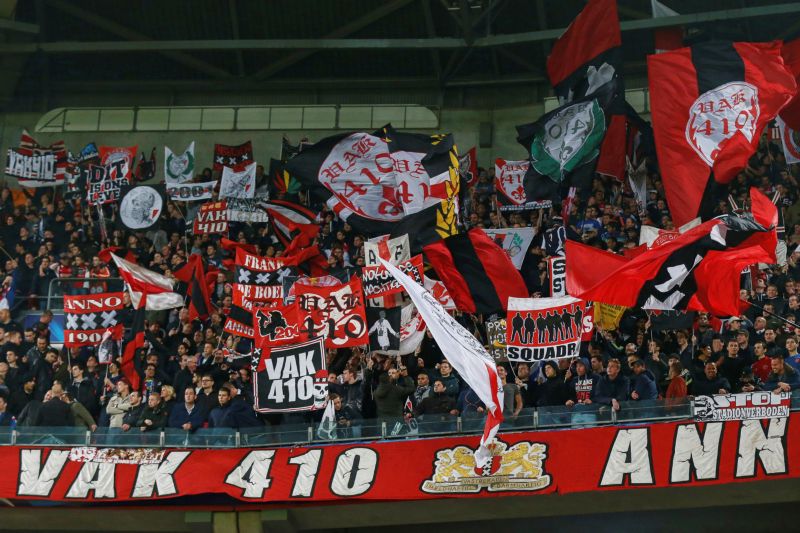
column 54, row 412
column 710, row 382
column 612, row 387
column 132, row 416
column 82, row 389
column 552, row 390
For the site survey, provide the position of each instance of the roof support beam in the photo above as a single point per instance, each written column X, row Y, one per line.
column 135, row 37
column 22, row 27
column 307, row 47
column 235, row 31
column 343, row 31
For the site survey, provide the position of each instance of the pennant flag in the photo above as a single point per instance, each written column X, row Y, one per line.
column 141, row 206
column 327, row 425
column 232, row 156
column 212, row 217
column 373, row 180
column 468, row 167
column 275, row 326
column 191, row 192
column 412, row 329
column 698, row 270
column 790, row 139
column 238, row 183
column 288, row 218
column 477, row 273
column 586, row 58
column 514, row 242
column 790, row 52
column 35, row 165
column 146, row 168
column 134, row 342
column 710, row 104
column 669, row 38
column 384, row 328
column 291, row 378
column 465, row 353
column 88, row 317
column 336, row 312
column 146, row 288
column 179, row 168
column 543, row 329
column 282, row 181
column 607, row 316
column 193, row 274
column 564, row 145
column 508, row 180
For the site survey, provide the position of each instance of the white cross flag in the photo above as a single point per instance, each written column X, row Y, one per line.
column 464, row 352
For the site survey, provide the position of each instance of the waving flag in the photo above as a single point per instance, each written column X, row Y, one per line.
column 373, row 180
column 585, row 58
column 35, row 165
column 193, row 274
column 178, row 168
column 710, row 103
column 698, row 270
column 147, row 289
column 791, row 59
column 467, row 355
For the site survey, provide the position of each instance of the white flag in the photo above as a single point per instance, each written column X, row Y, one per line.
column 178, row 168
column 327, row 426
column 238, row 183
column 155, row 288
column 464, row 352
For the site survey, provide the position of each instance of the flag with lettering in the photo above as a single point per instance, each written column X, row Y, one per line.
column 232, row 156
column 88, row 317
column 291, row 378
column 336, row 312
column 35, row 165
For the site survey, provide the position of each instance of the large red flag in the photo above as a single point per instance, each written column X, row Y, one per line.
column 710, row 104
column 791, row 59
column 698, row 270
column 478, row 274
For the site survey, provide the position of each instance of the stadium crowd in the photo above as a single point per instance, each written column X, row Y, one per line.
column 190, row 377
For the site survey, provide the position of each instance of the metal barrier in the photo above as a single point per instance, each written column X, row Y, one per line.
column 55, row 289
column 543, row 418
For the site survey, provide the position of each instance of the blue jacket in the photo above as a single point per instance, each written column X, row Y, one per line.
column 235, row 414
column 180, row 416
column 608, row 389
column 789, row 376
column 645, row 386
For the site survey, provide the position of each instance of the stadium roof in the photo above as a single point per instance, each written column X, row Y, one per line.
column 56, row 46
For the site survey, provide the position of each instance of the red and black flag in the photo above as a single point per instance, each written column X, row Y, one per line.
column 288, row 218
column 697, row 271
column 468, row 168
column 589, row 56
column 88, row 317
column 193, row 274
column 710, row 104
column 134, row 342
column 478, row 274
column 791, row 59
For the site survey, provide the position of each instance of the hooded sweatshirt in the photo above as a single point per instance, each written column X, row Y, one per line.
column 582, row 388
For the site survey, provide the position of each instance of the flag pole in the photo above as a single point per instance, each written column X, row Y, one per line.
column 787, row 321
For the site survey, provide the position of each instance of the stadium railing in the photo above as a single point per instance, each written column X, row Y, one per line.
column 542, row 418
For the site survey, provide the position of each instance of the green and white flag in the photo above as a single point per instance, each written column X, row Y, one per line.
column 564, row 146
column 178, row 168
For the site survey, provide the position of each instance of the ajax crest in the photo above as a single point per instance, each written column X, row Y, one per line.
column 720, row 114
column 519, row 467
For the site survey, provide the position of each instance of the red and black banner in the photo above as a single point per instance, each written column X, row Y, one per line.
column 698, row 271
column 710, row 104
column 134, row 342
column 468, row 167
column 586, row 57
column 88, row 317
column 275, row 326
column 232, row 156
column 212, row 217
column 679, row 454
column 476, row 271
column 257, row 280
column 336, row 312
column 193, row 274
